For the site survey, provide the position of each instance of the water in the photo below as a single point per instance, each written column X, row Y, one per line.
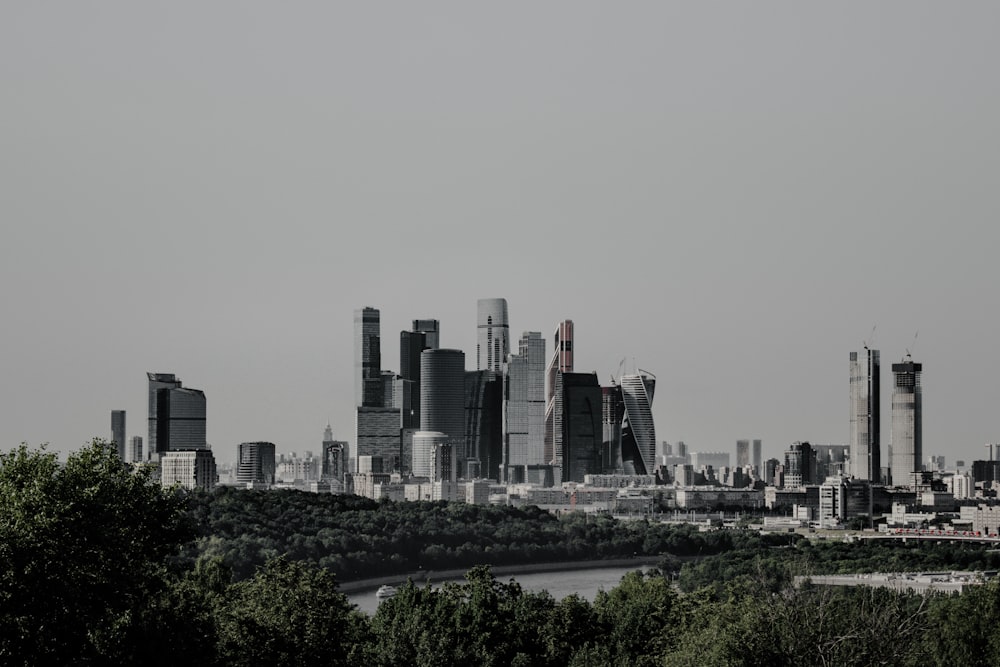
column 585, row 583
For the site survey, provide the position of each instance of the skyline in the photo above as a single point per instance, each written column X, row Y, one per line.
column 732, row 197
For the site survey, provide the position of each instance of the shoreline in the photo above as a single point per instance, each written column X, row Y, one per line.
column 438, row 576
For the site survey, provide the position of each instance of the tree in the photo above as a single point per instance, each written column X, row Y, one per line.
column 81, row 547
column 289, row 613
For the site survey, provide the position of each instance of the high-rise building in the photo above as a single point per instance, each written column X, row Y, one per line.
column 176, row 415
column 255, row 463
column 577, row 426
column 483, row 421
column 638, row 432
column 561, row 361
column 118, row 432
column 866, row 457
column 425, row 336
column 335, row 457
column 135, row 449
column 612, row 413
column 367, row 358
column 742, row 453
column 424, row 445
column 524, row 406
column 442, row 392
column 189, row 469
column 906, row 443
column 493, row 338
column 800, row 465
column 757, row 455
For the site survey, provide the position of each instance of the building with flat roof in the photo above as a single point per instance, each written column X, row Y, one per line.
column 118, row 433
column 906, row 443
column 255, row 463
column 524, row 406
column 866, row 458
column 176, row 415
column 368, row 358
column 190, row 469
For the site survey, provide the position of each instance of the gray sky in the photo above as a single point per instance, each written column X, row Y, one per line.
column 732, row 194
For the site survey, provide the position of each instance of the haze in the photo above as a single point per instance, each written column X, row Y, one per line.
column 729, row 195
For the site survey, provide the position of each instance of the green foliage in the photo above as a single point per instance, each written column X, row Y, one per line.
column 81, row 547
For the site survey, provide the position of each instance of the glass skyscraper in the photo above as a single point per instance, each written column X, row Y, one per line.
column 176, row 415
column 493, row 335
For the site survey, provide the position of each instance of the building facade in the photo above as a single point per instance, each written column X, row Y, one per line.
column 177, row 416
column 493, row 334
column 638, row 432
column 866, row 459
column 378, row 434
column 255, row 463
column 368, row 358
column 190, row 469
column 524, row 405
column 118, row 433
column 483, row 422
column 560, row 362
column 578, row 427
column 906, row 443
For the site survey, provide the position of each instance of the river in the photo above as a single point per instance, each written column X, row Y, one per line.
column 559, row 584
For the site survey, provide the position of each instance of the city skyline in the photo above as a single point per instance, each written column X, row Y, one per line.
column 727, row 196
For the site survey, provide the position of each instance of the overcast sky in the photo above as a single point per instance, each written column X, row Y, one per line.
column 730, row 194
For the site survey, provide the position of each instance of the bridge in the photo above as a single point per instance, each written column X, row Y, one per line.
column 929, row 535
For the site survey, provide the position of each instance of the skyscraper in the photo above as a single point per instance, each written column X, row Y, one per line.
column 578, row 431
column 638, row 433
column 424, row 336
column 483, row 422
column 561, row 361
column 757, row 456
column 493, row 338
column 524, row 406
column 742, row 453
column 442, row 392
column 865, row 418
column 367, row 358
column 136, row 449
column 118, row 432
column 906, row 443
column 176, row 415
column 335, row 457
column 190, row 469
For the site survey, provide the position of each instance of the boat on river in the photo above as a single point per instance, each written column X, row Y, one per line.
column 385, row 592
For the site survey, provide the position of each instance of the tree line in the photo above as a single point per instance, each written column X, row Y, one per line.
column 100, row 566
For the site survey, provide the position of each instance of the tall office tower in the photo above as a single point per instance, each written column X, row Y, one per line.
column 431, row 330
column 638, row 432
column 189, row 468
column 742, row 453
column 483, row 422
column 446, row 462
column 866, row 456
column 367, row 358
column 424, row 444
column 757, row 455
column 561, row 361
column 612, row 411
column 176, row 415
column 906, row 449
column 118, row 432
column 578, row 428
column 255, row 463
column 493, row 344
column 442, row 392
column 524, row 407
column 800, row 465
column 135, row 449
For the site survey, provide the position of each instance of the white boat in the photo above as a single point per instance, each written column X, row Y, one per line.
column 385, row 592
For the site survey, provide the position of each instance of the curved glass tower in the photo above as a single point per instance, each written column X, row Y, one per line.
column 638, row 433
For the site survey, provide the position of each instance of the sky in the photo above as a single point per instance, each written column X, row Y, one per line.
column 729, row 195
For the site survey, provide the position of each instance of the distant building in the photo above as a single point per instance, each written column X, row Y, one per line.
column 638, row 439
column 716, row 460
column 742, row 453
column 800, row 465
column 524, row 406
column 493, row 335
column 425, row 444
column 255, row 463
column 425, row 335
column 135, row 449
column 378, row 434
column 865, row 416
column 190, row 469
column 577, row 425
column 757, row 456
column 176, row 415
column 906, row 445
column 484, row 421
column 560, row 362
column 118, row 432
column 368, row 358
column 612, row 414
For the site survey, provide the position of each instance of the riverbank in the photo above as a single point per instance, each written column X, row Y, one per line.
column 438, row 576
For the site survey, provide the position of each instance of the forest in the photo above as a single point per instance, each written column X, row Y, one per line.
column 98, row 565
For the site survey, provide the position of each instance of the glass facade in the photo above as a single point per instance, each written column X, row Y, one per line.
column 493, row 335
